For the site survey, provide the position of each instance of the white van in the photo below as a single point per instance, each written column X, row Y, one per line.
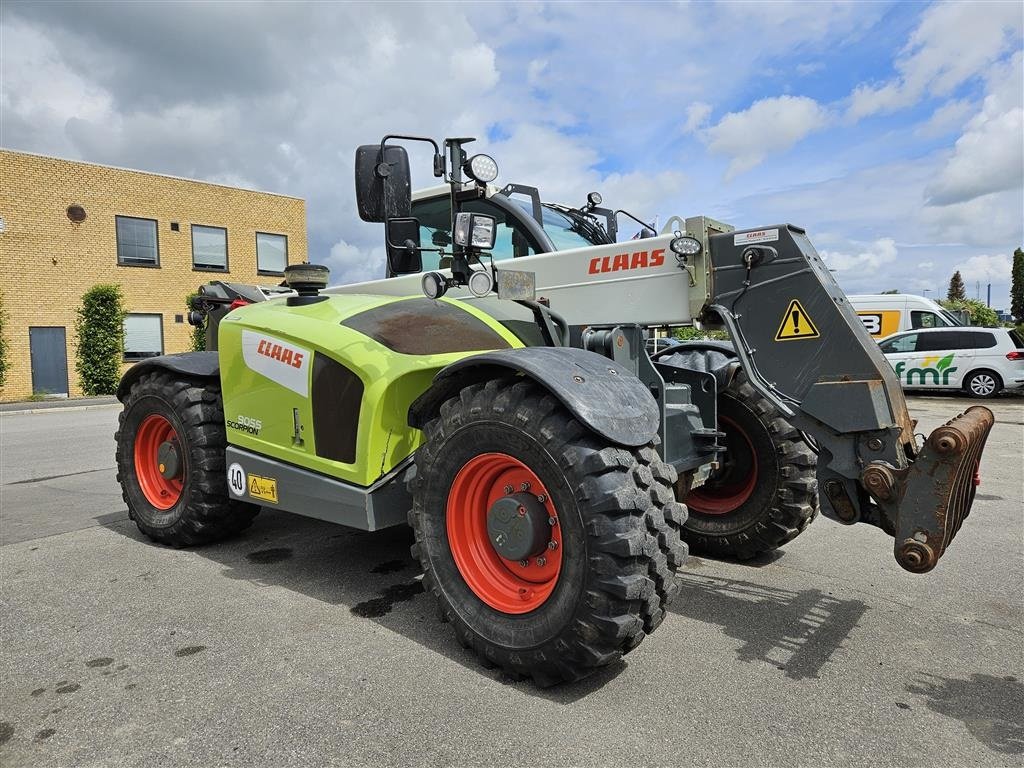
column 884, row 314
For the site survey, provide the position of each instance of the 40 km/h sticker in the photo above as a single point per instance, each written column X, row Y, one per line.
column 796, row 324
column 236, row 479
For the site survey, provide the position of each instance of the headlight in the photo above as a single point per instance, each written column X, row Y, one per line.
column 434, row 285
column 482, row 168
column 475, row 230
column 594, row 199
column 481, row 283
column 686, row 246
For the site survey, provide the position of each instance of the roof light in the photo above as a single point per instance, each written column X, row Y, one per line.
column 481, row 168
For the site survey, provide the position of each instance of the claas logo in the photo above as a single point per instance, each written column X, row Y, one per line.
column 280, row 352
column 619, row 261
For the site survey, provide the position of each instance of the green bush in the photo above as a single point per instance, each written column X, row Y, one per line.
column 100, row 329
column 198, row 332
column 981, row 315
column 4, row 362
column 689, row 333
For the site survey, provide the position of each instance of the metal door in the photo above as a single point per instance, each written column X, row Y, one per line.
column 48, row 348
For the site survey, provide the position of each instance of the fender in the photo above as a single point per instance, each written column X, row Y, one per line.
column 201, row 365
column 606, row 397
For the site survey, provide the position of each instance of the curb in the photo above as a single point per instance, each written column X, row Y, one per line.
column 63, row 409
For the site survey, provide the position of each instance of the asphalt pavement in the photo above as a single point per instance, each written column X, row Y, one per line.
column 302, row 643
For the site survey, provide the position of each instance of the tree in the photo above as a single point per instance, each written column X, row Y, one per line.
column 956, row 291
column 890, row 291
column 100, row 329
column 1017, row 286
column 981, row 315
column 198, row 331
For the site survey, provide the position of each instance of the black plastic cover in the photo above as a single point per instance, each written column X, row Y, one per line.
column 606, row 397
column 198, row 365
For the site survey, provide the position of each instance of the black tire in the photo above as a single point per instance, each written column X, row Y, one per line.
column 784, row 499
column 619, row 522
column 204, row 512
column 983, row 384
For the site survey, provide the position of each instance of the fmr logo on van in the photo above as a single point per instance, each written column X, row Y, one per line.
column 280, row 361
column 931, row 371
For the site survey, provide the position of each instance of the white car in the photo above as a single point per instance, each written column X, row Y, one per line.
column 980, row 361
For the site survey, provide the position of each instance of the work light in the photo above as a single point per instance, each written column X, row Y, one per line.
column 434, row 285
column 482, row 168
column 685, row 246
column 475, row 230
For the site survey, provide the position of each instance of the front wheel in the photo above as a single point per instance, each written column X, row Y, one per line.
column 764, row 493
column 551, row 551
column 983, row 384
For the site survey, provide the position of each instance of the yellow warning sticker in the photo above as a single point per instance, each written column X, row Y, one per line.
column 796, row 324
column 263, row 488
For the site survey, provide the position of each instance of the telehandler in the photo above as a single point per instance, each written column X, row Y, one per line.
column 513, row 418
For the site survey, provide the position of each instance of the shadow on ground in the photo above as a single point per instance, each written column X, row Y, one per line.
column 372, row 575
column 798, row 632
column 991, row 707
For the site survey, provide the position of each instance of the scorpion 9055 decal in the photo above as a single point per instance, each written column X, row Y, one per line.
column 284, row 363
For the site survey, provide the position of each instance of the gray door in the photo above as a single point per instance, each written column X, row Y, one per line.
column 49, row 360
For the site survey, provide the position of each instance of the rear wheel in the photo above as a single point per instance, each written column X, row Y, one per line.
column 549, row 550
column 170, row 462
column 765, row 493
column 983, row 384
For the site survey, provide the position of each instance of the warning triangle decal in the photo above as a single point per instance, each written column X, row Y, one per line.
column 796, row 324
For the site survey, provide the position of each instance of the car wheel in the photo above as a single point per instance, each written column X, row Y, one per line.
column 983, row 384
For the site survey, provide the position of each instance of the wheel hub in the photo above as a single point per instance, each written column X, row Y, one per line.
column 168, row 459
column 517, row 526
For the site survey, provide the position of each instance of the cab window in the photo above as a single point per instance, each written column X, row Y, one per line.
column 434, row 216
column 906, row 343
column 923, row 319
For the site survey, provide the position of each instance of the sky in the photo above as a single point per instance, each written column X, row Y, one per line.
column 892, row 132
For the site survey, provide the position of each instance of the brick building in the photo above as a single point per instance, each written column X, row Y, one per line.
column 66, row 226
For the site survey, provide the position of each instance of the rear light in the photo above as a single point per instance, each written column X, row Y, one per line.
column 1015, row 355
column 238, row 303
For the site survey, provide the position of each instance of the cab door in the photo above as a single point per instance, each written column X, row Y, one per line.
column 900, row 350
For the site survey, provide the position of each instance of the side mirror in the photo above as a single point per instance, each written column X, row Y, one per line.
column 403, row 244
column 383, row 189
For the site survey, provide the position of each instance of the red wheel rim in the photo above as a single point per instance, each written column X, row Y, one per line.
column 504, row 585
column 160, row 491
column 729, row 487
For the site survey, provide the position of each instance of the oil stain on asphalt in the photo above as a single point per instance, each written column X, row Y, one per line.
column 189, row 650
column 379, row 606
column 103, row 661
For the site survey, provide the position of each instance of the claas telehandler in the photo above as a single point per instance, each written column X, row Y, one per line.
column 494, row 392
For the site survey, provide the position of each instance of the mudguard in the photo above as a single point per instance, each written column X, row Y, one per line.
column 192, row 364
column 606, row 397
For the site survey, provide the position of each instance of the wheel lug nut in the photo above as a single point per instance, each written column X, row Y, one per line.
column 509, row 489
column 542, row 498
column 542, row 561
column 524, row 563
column 525, row 487
column 552, row 544
column 552, row 521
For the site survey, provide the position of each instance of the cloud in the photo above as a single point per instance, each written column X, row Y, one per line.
column 880, row 252
column 989, row 156
column 697, row 115
column 953, row 43
column 986, row 268
column 356, row 264
column 769, row 125
column 950, row 116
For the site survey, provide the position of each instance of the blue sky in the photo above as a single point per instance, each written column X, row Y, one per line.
column 891, row 131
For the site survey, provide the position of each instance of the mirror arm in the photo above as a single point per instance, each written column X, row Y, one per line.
column 438, row 157
column 643, row 224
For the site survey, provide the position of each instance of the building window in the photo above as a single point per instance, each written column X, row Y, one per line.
column 143, row 336
column 136, row 242
column 210, row 248
column 271, row 253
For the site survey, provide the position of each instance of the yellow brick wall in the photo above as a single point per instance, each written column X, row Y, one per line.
column 47, row 261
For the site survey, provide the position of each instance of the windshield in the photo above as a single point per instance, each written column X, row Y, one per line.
column 567, row 230
column 952, row 319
